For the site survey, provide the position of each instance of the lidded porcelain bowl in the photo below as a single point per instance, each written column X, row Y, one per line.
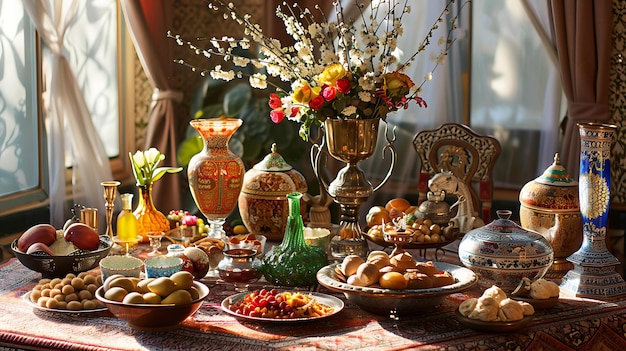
column 502, row 253
column 550, row 206
column 263, row 199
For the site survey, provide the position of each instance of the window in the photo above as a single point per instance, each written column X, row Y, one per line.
column 498, row 78
column 97, row 52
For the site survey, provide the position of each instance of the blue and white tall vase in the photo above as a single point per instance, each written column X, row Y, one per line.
column 594, row 272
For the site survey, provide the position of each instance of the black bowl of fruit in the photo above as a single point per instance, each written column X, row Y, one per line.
column 55, row 253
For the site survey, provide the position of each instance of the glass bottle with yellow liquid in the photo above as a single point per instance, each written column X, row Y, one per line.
column 127, row 227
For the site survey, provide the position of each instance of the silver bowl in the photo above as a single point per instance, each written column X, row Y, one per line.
column 398, row 302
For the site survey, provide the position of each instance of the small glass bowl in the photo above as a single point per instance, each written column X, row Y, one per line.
column 240, row 266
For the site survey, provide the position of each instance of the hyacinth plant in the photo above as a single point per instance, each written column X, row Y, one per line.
column 335, row 70
column 146, row 166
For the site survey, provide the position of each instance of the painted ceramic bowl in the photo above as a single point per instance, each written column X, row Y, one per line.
column 162, row 266
column 502, row 253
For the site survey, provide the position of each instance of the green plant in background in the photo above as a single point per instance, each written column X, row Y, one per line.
column 254, row 139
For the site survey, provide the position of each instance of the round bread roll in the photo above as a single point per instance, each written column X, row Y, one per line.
column 380, row 261
column 427, row 268
column 417, row 280
column 403, row 261
column 367, row 273
column 350, row 264
column 389, row 268
column 393, row 280
column 376, row 253
column 442, row 279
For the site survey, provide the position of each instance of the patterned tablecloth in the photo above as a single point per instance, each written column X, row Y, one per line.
column 574, row 324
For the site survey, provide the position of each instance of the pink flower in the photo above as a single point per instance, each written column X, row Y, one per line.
column 277, row 115
column 329, row 93
column 275, row 101
column 189, row 220
column 343, row 85
column 317, row 102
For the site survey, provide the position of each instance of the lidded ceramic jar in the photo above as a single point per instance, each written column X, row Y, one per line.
column 502, row 253
column 263, row 200
column 550, row 206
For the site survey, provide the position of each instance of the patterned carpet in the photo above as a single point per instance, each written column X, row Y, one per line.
column 573, row 324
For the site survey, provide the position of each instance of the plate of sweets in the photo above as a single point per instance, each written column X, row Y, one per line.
column 74, row 293
column 400, row 222
column 540, row 293
column 281, row 306
column 494, row 311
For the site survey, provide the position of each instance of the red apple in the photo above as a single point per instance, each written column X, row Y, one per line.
column 82, row 236
column 200, row 261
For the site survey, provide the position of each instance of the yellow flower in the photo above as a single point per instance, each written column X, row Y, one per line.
column 331, row 74
column 397, row 84
column 304, row 93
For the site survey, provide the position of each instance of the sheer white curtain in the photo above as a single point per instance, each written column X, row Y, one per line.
column 67, row 118
column 539, row 13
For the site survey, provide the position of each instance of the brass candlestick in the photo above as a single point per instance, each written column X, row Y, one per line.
column 110, row 191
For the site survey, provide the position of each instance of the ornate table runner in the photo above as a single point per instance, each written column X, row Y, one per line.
column 574, row 324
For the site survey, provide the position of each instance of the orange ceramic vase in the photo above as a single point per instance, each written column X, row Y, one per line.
column 216, row 174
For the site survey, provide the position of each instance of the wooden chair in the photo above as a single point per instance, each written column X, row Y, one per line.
column 471, row 157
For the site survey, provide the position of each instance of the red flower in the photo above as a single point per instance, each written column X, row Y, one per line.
column 275, row 101
column 343, row 85
column 277, row 115
column 316, row 103
column 329, row 93
column 294, row 111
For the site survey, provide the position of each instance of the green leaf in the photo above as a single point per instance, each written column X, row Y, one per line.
column 188, row 148
column 159, row 172
column 236, row 98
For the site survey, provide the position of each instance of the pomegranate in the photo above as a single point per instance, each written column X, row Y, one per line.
column 82, row 236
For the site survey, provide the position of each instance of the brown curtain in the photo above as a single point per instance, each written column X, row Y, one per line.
column 147, row 21
column 583, row 40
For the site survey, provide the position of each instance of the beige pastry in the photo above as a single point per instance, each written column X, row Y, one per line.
column 528, row 309
column 495, row 292
column 510, row 310
column 544, row 289
column 466, row 307
column 486, row 309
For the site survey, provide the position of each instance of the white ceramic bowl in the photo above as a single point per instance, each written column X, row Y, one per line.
column 125, row 265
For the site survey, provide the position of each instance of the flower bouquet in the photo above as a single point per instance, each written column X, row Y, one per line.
column 335, row 69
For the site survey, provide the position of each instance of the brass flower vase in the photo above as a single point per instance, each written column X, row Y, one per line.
column 349, row 141
column 594, row 272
